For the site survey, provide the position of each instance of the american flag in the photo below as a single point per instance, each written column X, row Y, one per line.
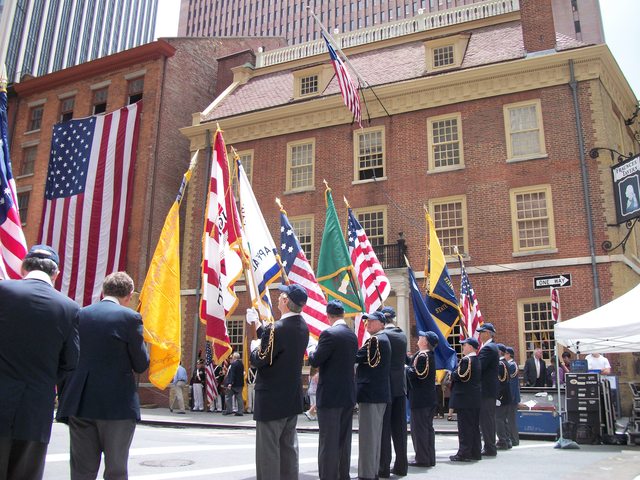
column 471, row 315
column 212, row 388
column 13, row 246
column 348, row 88
column 299, row 271
column 374, row 284
column 88, row 198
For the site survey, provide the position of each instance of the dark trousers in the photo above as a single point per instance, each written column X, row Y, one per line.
column 90, row 438
column 423, row 435
column 22, row 459
column 334, row 450
column 470, row 445
column 237, row 393
column 502, row 413
column 488, row 424
column 277, row 449
column 394, row 427
column 512, row 424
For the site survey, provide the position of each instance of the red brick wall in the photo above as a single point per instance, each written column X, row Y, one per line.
column 537, row 25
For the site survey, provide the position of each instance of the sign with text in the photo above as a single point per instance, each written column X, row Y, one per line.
column 558, row 281
column 626, row 189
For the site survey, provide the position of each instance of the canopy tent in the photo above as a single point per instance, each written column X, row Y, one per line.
column 612, row 328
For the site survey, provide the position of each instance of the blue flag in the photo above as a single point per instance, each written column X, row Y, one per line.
column 445, row 355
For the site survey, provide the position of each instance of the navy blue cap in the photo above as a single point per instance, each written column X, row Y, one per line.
column 43, row 251
column 296, row 293
column 486, row 327
column 501, row 347
column 389, row 312
column 431, row 337
column 375, row 316
column 511, row 352
column 335, row 307
column 471, row 341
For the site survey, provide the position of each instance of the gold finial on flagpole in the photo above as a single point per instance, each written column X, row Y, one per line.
column 326, row 184
column 279, row 203
column 346, row 202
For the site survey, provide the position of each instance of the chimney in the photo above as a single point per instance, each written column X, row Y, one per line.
column 538, row 29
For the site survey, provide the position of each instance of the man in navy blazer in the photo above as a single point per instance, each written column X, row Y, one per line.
column 235, row 384
column 489, row 357
column 38, row 347
column 278, row 357
column 101, row 403
column 335, row 356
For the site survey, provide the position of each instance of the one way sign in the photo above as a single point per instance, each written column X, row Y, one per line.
column 563, row 280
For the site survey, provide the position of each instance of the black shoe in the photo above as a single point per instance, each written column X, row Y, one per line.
column 399, row 473
column 384, row 474
column 238, row 414
column 419, row 464
column 171, row 410
column 458, row 458
column 487, row 453
column 502, row 446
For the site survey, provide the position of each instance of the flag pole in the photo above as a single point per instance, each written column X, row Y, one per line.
column 462, row 324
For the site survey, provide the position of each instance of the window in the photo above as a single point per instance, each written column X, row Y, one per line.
column 309, row 85
column 300, row 165
column 66, row 108
column 372, row 220
column 523, row 129
column 536, row 327
column 28, row 160
column 235, row 329
column 35, row 118
column 445, row 53
column 450, row 219
column 246, row 158
column 100, row 101
column 369, row 152
column 443, row 56
column 23, row 206
column 135, row 89
column 532, row 219
column 445, row 142
column 303, row 226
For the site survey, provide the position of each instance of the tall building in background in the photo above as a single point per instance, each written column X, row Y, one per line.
column 38, row 37
column 290, row 19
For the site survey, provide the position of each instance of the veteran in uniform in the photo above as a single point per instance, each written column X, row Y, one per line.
column 489, row 357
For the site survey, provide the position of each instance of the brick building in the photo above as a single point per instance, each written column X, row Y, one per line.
column 480, row 119
column 174, row 77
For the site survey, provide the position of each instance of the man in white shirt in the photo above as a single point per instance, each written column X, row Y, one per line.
column 595, row 361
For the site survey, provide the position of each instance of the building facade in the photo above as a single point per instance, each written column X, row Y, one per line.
column 479, row 119
column 38, row 37
column 291, row 19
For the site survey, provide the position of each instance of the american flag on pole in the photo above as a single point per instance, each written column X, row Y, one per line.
column 221, row 246
column 88, row 198
column 212, row 388
column 348, row 88
column 13, row 246
column 299, row 271
column 374, row 284
column 471, row 315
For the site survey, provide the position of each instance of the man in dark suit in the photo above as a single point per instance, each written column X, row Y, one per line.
column 278, row 357
column 38, row 347
column 373, row 393
column 235, row 384
column 395, row 417
column 535, row 370
column 334, row 357
column 504, row 400
column 489, row 357
column 101, row 403
column 466, row 396
column 514, row 385
column 421, row 373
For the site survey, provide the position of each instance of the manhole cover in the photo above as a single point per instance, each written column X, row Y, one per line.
column 167, row 463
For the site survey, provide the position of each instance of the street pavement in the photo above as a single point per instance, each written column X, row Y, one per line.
column 205, row 445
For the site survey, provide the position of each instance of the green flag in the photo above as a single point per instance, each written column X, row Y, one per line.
column 335, row 271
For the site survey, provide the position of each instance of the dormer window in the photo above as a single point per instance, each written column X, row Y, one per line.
column 445, row 53
column 311, row 81
column 443, row 56
column 308, row 85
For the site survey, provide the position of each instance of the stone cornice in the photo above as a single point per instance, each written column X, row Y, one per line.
column 525, row 74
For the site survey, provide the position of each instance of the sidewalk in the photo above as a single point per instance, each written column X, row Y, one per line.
column 163, row 417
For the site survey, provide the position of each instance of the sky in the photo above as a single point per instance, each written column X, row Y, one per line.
column 620, row 19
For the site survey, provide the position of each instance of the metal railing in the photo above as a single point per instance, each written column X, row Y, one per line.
column 384, row 31
column 392, row 255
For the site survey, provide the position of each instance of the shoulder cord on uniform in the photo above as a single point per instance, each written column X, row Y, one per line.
column 425, row 372
column 373, row 362
column 466, row 376
column 262, row 354
column 515, row 372
column 503, row 377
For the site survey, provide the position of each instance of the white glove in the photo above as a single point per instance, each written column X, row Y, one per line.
column 255, row 344
column 498, row 403
column 252, row 316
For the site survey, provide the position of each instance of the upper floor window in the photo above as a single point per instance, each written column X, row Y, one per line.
column 135, row 90
column 66, row 108
column 445, row 53
column 309, row 85
column 450, row 220
column 523, row 129
column 23, row 206
column 100, row 101
column 28, row 160
column 369, row 150
column 532, row 219
column 303, row 227
column 372, row 220
column 300, row 165
column 35, row 118
column 443, row 56
column 445, row 142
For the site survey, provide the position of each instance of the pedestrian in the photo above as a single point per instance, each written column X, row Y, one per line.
column 278, row 356
column 489, row 357
column 235, row 385
column 535, row 370
column 395, row 416
column 39, row 346
column 466, row 397
column 312, row 389
column 514, row 384
column 198, row 383
column 503, row 401
column 373, row 393
column 176, row 394
column 421, row 374
column 101, row 403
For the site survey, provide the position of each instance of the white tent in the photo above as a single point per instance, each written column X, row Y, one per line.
column 612, row 328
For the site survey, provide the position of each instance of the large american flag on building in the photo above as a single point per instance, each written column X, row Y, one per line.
column 212, row 387
column 374, row 284
column 88, row 198
column 13, row 246
column 299, row 271
column 348, row 88
column 471, row 315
